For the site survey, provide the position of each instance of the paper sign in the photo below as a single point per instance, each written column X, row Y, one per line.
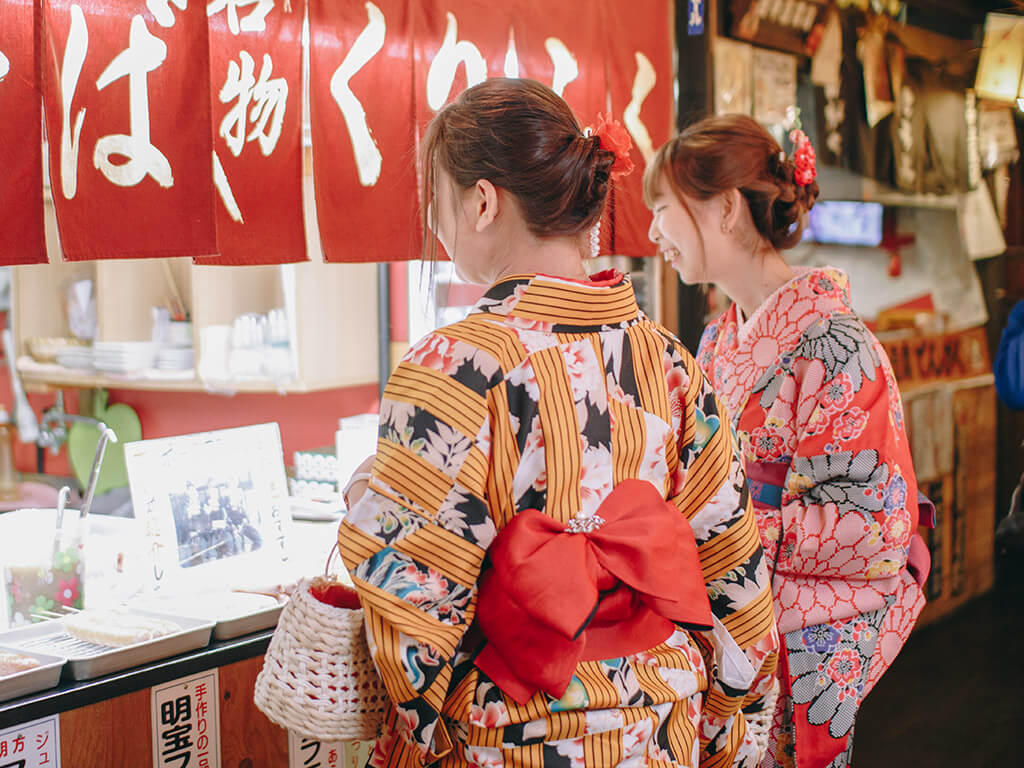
column 304, row 752
column 212, row 502
column 733, row 77
column 186, row 722
column 774, row 85
column 31, row 745
column 695, row 17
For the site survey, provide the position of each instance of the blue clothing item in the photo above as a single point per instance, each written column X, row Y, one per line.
column 1009, row 367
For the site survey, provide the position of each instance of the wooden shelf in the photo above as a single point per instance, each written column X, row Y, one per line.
column 843, row 184
column 326, row 303
column 37, row 378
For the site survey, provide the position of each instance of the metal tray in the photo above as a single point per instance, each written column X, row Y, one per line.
column 46, row 675
column 88, row 660
column 248, row 623
column 230, row 625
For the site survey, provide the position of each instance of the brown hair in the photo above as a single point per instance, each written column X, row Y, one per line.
column 720, row 153
column 521, row 136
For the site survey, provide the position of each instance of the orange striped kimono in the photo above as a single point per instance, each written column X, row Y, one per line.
column 546, row 396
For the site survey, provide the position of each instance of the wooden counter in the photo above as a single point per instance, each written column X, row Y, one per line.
column 109, row 721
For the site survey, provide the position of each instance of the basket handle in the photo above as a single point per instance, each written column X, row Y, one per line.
column 330, row 559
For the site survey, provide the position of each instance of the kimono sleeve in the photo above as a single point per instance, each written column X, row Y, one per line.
column 414, row 543
column 849, row 504
column 710, row 489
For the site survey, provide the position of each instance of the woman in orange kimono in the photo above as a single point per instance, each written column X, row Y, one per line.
column 818, row 414
column 555, row 547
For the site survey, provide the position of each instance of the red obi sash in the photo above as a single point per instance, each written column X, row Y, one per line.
column 605, row 586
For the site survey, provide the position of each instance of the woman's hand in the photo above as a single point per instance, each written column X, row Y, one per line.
column 359, row 482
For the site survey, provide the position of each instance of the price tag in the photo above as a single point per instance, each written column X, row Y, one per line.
column 186, row 722
column 31, row 745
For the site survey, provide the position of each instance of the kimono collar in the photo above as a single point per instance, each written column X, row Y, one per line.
column 814, row 284
column 606, row 299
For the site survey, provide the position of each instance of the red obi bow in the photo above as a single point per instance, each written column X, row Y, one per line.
column 609, row 585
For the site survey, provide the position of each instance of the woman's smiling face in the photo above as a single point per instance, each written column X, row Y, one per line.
column 677, row 233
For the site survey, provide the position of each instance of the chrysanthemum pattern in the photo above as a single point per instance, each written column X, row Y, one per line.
column 839, row 542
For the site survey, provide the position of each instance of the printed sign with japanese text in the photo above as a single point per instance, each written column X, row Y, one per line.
column 31, row 745
column 186, row 722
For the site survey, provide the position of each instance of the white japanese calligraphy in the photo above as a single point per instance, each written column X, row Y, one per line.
column 161, row 10
column 370, row 41
column 643, row 84
column 70, row 71
column 5, row 65
column 254, row 22
column 270, row 97
column 143, row 54
column 442, row 69
column 566, row 68
column 223, row 187
column 511, row 56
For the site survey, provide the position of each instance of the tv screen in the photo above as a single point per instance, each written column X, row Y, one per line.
column 845, row 223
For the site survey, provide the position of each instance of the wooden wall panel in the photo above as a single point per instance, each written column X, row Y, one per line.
column 247, row 738
column 116, row 732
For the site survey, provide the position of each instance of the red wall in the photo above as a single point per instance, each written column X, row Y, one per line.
column 306, row 421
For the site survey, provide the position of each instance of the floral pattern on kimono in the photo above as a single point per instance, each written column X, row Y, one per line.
column 549, row 394
column 815, row 404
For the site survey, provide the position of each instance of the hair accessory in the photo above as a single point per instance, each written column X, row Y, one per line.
column 614, row 138
column 804, row 157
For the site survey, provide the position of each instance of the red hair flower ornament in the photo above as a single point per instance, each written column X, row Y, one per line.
column 614, row 138
column 804, row 158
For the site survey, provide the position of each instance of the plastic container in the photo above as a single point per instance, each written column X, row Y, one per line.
column 43, row 574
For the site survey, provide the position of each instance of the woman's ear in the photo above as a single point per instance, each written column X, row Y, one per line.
column 732, row 202
column 485, row 204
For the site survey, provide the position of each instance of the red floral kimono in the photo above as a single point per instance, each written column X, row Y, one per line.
column 818, row 413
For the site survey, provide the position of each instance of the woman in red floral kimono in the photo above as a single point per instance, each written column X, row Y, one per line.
column 555, row 547
column 818, row 414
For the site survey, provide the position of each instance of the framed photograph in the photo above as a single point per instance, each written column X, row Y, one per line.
column 212, row 501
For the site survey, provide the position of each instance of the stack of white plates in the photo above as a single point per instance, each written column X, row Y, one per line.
column 175, row 359
column 80, row 358
column 124, row 356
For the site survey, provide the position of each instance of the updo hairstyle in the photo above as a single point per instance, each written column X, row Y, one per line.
column 724, row 152
column 521, row 136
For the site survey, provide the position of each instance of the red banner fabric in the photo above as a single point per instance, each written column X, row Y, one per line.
column 640, row 77
column 22, row 239
column 256, row 79
column 366, row 114
column 363, row 125
column 559, row 45
column 126, row 91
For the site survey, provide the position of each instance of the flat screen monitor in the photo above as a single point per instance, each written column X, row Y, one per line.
column 845, row 223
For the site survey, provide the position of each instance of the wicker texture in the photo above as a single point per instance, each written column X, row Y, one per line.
column 318, row 678
column 759, row 724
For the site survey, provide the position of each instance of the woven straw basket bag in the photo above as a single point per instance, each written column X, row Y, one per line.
column 318, row 678
column 759, row 724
